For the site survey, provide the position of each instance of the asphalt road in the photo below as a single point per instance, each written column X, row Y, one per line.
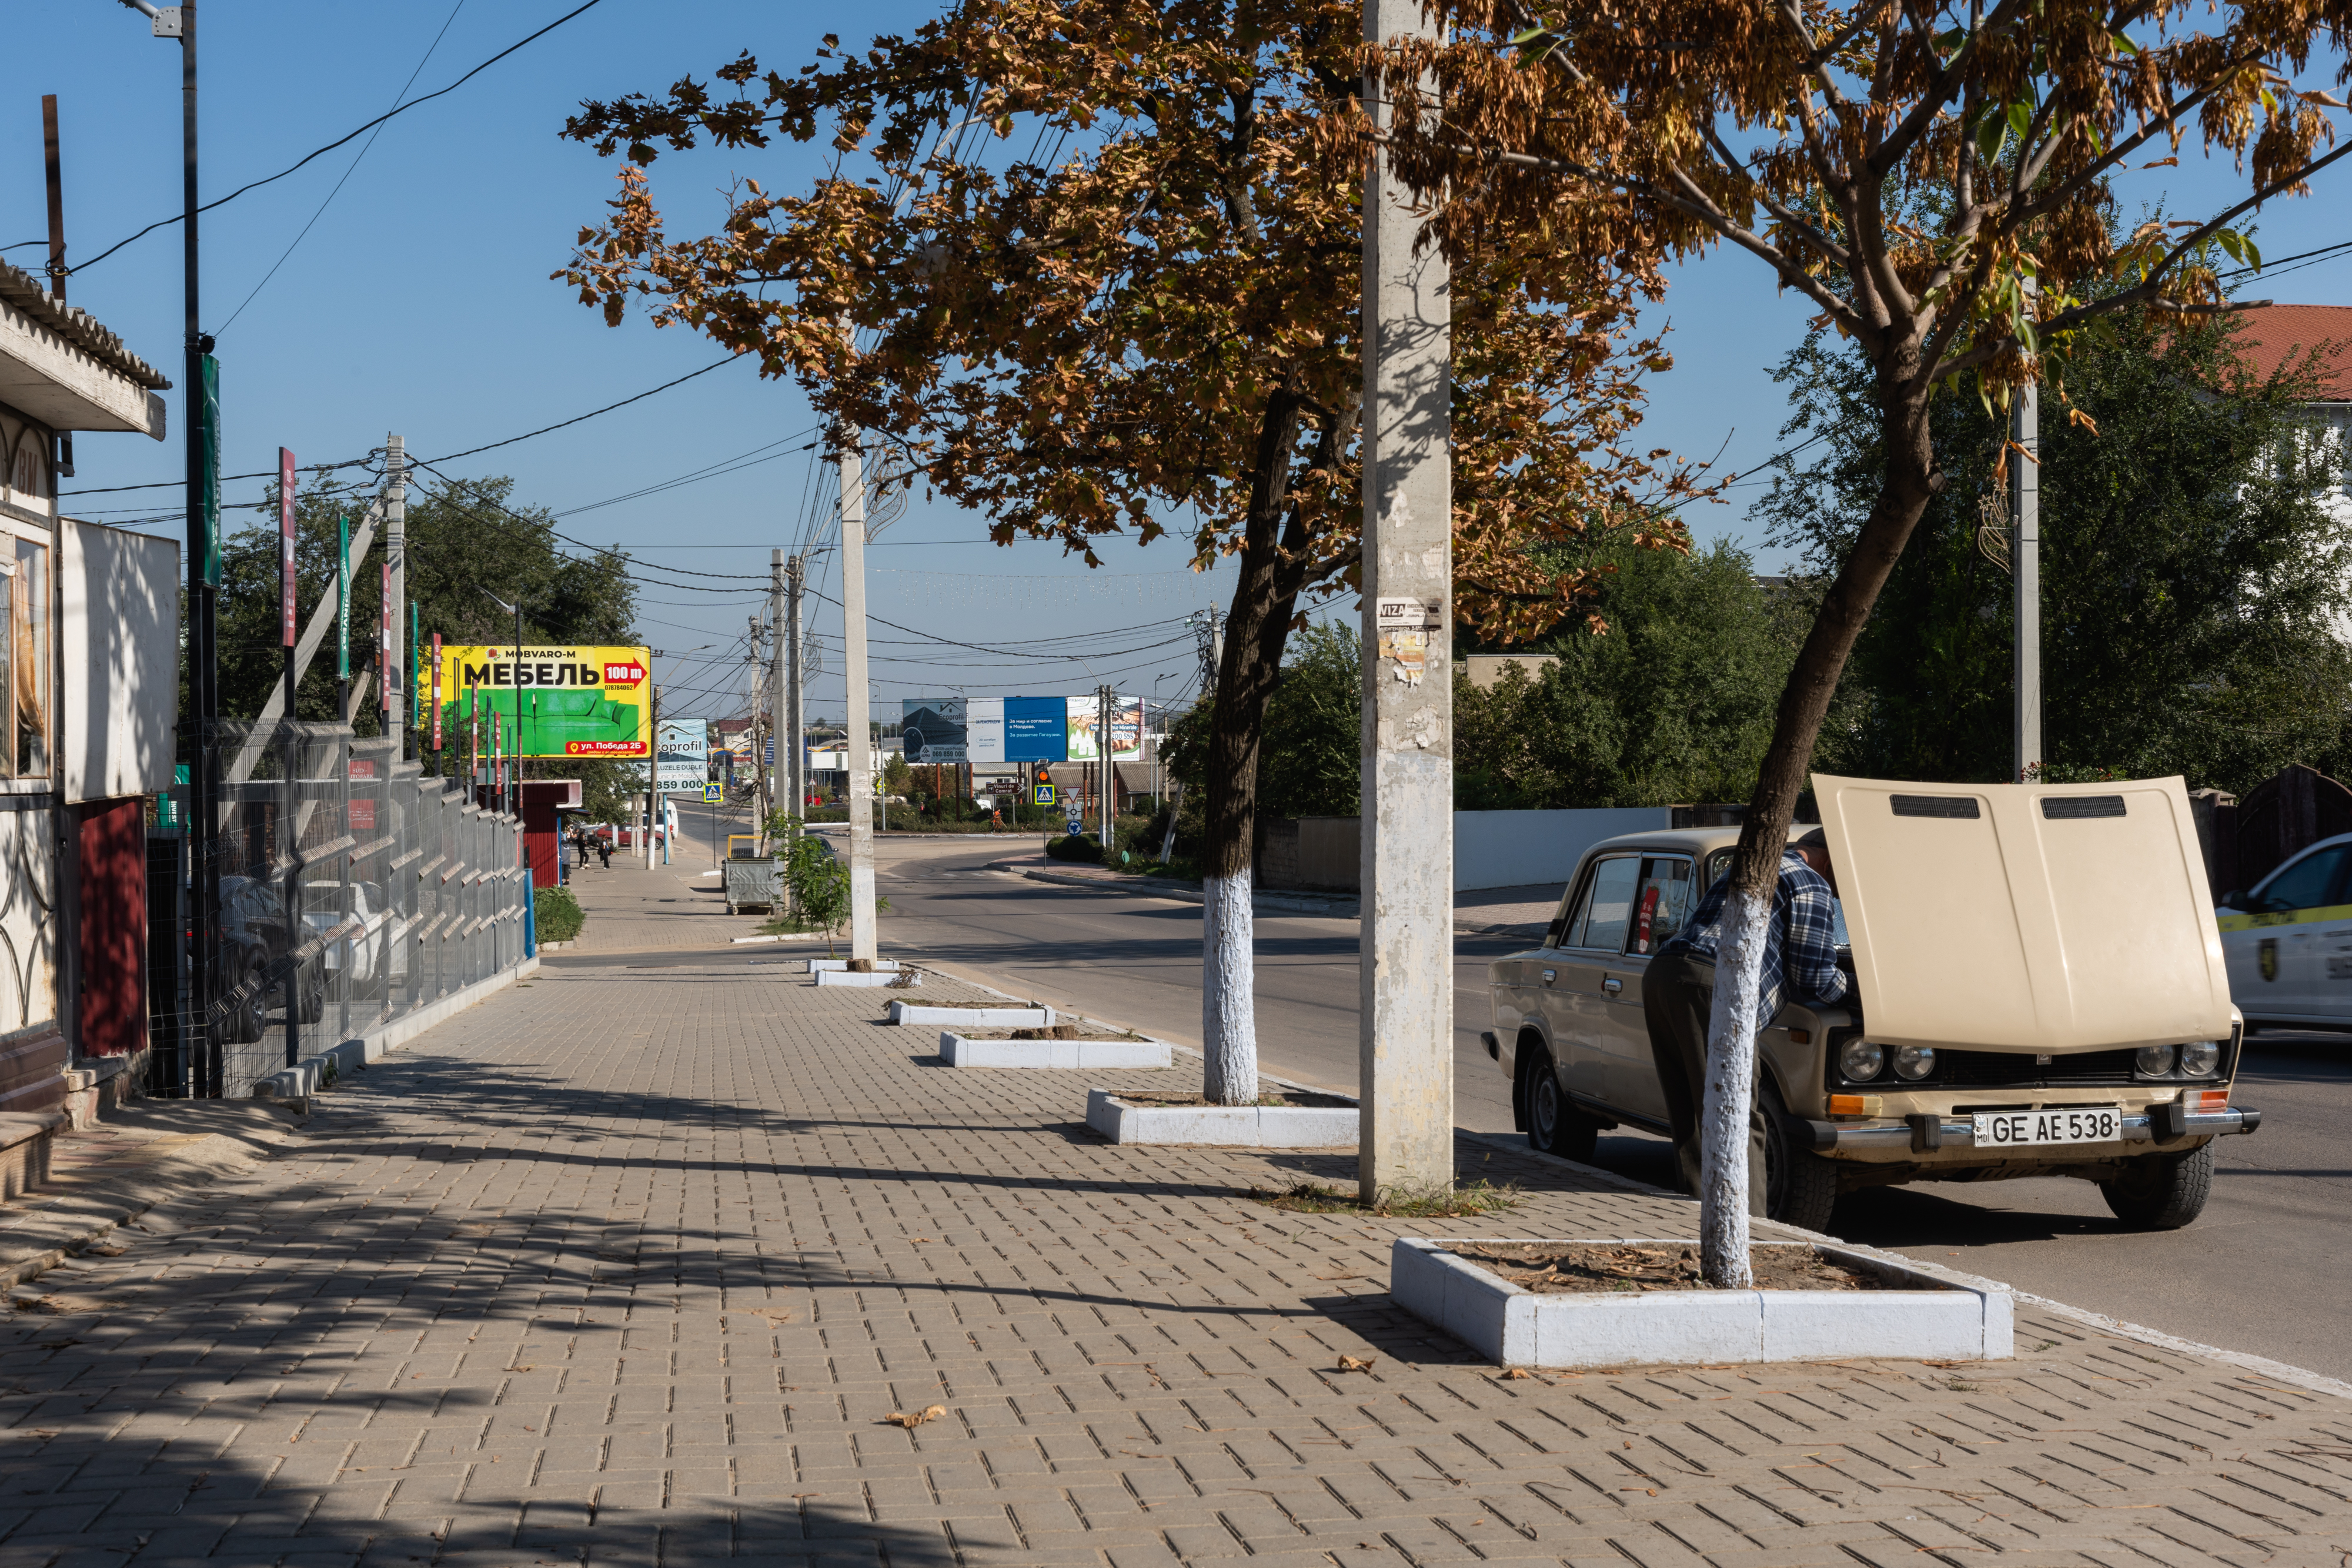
column 2257, row 1273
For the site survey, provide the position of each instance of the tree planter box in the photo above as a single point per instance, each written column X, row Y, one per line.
column 979, row 1017
column 957, row 1050
column 1935, row 1317
column 1232, row 1126
column 875, row 980
column 841, row 965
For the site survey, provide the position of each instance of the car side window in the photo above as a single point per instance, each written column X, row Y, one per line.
column 1661, row 902
column 2310, row 883
column 1570, row 913
column 1609, row 914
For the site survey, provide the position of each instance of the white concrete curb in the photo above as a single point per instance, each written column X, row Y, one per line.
column 983, row 1017
column 841, row 965
column 1100, row 1055
column 1517, row 1327
column 1229, row 1126
column 875, row 981
column 293, row 1086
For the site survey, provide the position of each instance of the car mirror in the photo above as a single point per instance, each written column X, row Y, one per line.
column 2234, row 899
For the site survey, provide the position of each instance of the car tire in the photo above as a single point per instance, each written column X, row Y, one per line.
column 1555, row 1126
column 2161, row 1192
column 313, row 993
column 1801, row 1188
column 248, row 1019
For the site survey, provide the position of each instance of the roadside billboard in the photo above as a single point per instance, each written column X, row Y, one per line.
column 1085, row 717
column 556, row 701
column 684, row 762
column 933, row 730
column 990, row 729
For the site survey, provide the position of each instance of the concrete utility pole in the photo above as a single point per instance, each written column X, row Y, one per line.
column 653, row 770
column 781, row 771
column 795, row 578
column 2025, row 553
column 396, row 549
column 1406, row 1038
column 859, row 744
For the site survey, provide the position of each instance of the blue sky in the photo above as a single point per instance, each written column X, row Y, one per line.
column 419, row 301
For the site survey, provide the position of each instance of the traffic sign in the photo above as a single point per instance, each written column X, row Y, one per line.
column 714, row 794
column 1045, row 794
column 1076, row 825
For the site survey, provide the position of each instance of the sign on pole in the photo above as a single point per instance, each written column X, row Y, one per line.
column 383, row 642
column 286, row 547
column 714, row 794
column 584, row 700
column 343, row 598
column 436, row 691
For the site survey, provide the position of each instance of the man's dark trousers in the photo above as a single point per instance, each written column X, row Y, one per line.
column 1677, row 997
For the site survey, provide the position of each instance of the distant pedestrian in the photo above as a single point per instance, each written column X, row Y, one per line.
column 605, row 852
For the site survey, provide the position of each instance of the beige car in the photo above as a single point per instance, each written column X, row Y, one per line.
column 2041, row 992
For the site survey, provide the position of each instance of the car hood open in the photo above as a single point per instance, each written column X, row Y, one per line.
column 2027, row 917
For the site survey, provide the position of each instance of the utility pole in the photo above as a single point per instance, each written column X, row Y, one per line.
column 860, row 741
column 53, row 163
column 780, row 772
column 653, row 770
column 396, row 549
column 1406, row 1018
column 2025, row 509
column 795, row 579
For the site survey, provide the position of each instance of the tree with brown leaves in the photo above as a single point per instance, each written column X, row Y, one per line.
column 1933, row 175
column 1145, row 324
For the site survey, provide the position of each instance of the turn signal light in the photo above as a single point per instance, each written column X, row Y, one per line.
column 1800, row 1036
column 1854, row 1104
column 2212, row 1098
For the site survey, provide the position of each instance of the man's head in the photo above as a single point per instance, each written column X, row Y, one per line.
column 1815, row 848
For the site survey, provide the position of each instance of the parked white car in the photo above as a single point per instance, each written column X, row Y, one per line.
column 2288, row 940
column 361, row 956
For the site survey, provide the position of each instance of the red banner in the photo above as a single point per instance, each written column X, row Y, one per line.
column 286, row 545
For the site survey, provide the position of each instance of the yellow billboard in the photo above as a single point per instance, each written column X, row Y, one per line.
column 550, row 701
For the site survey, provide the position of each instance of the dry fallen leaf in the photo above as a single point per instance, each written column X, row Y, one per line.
column 1356, row 1363
column 108, row 1251
column 1339, row 1276
column 1513, row 1375
column 900, row 1418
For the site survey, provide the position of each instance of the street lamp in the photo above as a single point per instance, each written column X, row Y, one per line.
column 204, row 560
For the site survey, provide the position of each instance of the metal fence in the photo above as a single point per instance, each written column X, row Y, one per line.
column 352, row 891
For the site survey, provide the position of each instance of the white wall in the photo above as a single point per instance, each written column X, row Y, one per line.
column 120, row 646
column 1512, row 849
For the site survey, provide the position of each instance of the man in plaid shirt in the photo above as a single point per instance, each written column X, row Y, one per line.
column 1678, row 992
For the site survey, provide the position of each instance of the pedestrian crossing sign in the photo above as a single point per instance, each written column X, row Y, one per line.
column 714, row 794
column 1045, row 794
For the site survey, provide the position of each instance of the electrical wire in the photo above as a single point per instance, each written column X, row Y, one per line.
column 348, row 173
column 339, row 141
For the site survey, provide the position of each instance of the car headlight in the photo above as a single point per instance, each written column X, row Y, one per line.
column 1861, row 1061
column 2153, row 1060
column 2199, row 1058
column 1915, row 1061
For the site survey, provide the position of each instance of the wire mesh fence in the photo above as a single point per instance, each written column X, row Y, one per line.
column 344, row 890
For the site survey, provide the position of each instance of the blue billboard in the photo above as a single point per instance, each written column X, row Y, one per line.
column 1037, row 729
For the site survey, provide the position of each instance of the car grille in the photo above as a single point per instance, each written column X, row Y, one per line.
column 2017, row 1070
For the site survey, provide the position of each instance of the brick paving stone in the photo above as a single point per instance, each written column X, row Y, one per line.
column 629, row 1264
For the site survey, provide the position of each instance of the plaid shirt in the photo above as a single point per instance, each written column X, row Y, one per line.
column 1799, row 940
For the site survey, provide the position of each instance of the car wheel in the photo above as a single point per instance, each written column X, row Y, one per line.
column 2161, row 1192
column 1801, row 1188
column 313, row 992
column 246, row 1019
column 1554, row 1124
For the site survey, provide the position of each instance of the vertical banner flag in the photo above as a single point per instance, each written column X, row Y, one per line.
column 436, row 691
column 286, row 546
column 208, row 476
column 416, row 657
column 384, row 641
column 343, row 598
column 498, row 753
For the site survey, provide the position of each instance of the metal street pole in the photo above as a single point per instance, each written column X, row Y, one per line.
column 860, row 740
column 778, row 658
column 1103, row 765
column 2025, row 508
column 1406, row 1018
column 795, row 578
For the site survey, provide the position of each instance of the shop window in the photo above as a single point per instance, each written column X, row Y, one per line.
column 24, row 658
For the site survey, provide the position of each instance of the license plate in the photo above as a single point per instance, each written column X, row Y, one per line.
column 2007, row 1129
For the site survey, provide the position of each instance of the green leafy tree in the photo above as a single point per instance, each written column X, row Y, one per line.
column 1673, row 704
column 2191, row 572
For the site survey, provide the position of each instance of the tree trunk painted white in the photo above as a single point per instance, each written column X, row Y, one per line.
column 1228, row 991
column 1730, row 1091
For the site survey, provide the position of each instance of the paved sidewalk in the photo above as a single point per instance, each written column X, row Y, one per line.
column 630, row 1265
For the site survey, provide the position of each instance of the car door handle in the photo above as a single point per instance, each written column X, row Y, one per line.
column 1550, row 975
column 1612, row 984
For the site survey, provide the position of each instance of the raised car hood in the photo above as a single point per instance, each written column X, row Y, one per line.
column 2040, row 917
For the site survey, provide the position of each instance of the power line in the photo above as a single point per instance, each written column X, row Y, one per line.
column 348, row 173
column 330, row 147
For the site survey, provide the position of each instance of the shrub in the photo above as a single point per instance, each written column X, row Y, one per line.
column 1074, row 847
column 557, row 913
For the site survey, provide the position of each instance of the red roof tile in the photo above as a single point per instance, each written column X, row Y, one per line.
column 2273, row 335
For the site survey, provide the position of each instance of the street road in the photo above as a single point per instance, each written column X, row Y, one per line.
column 2257, row 1273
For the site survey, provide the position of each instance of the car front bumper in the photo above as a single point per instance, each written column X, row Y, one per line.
column 1924, row 1134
